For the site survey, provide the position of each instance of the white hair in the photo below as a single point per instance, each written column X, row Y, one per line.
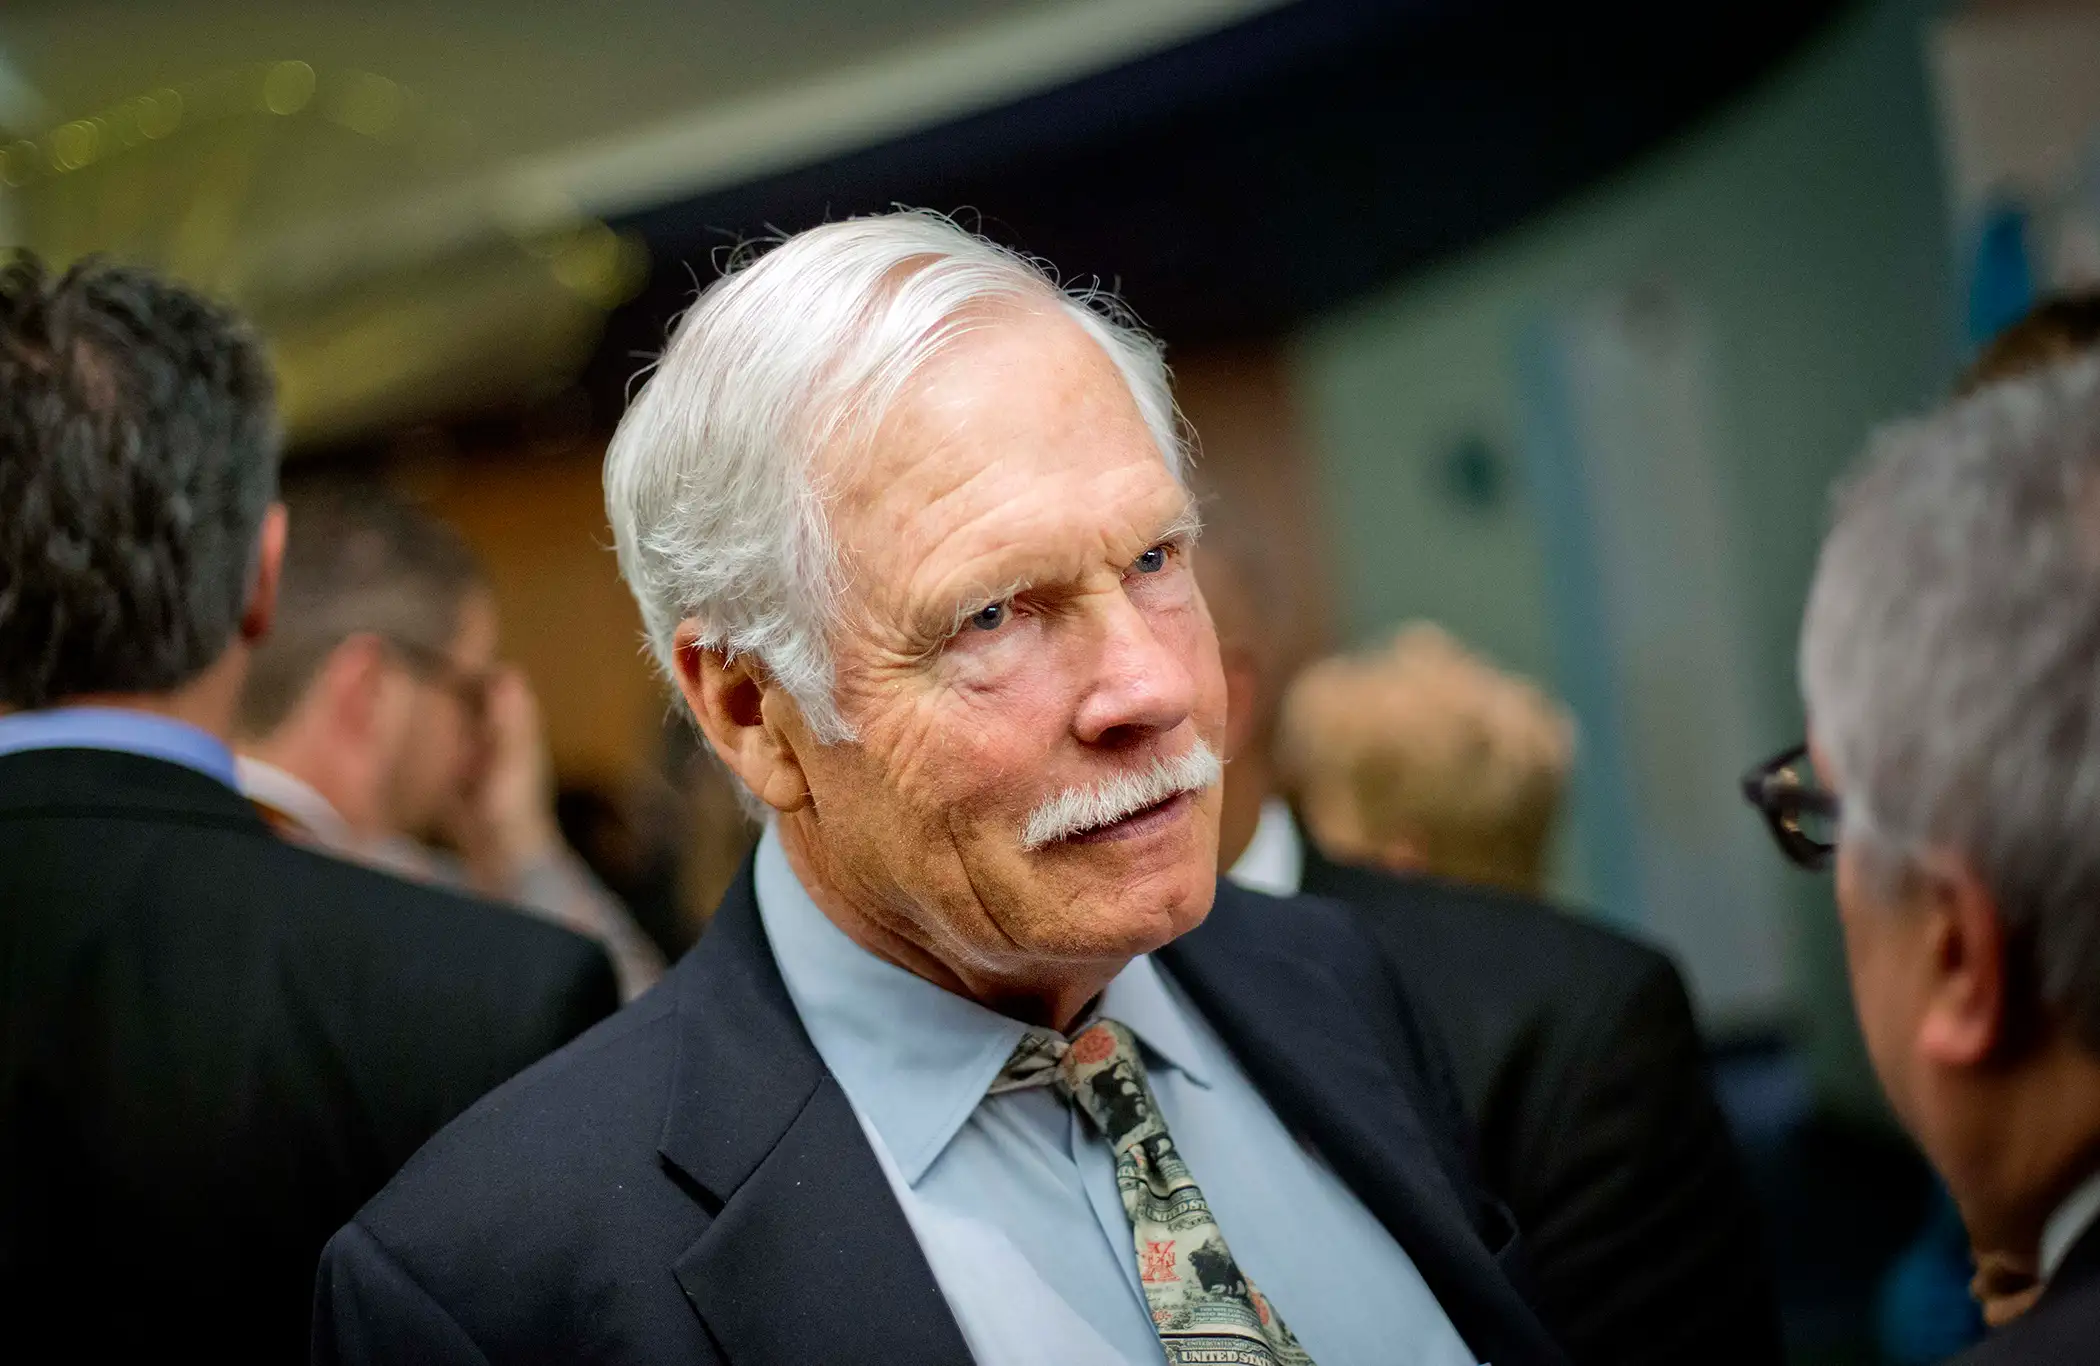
column 1090, row 806
column 714, row 482
column 1950, row 660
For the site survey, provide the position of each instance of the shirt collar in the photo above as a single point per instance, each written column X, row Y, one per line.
column 1274, row 859
column 2068, row 1224
column 294, row 798
column 124, row 732
column 914, row 1058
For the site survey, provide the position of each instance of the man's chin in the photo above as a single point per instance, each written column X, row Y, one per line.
column 1163, row 907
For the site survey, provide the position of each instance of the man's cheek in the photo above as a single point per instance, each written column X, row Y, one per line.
column 1187, row 634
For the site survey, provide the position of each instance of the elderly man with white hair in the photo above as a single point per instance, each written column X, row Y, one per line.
column 1950, row 661
column 978, row 1060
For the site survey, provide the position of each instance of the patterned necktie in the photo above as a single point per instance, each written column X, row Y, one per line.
column 1203, row 1308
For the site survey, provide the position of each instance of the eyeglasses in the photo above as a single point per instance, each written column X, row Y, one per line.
column 470, row 690
column 1802, row 815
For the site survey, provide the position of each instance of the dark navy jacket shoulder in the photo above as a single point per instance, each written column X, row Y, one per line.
column 215, row 1047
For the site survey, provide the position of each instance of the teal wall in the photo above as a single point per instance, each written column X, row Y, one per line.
column 1807, row 222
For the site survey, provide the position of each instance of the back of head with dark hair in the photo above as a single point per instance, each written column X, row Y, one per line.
column 358, row 559
column 138, row 458
column 2055, row 329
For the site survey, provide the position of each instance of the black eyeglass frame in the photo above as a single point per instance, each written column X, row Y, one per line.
column 1783, row 796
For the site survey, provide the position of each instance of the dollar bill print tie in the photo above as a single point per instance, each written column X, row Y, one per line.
column 1206, row 1312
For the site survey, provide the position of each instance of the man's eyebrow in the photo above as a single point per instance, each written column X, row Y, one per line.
column 975, row 600
column 1185, row 528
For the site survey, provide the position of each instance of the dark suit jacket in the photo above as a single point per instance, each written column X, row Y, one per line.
column 687, row 1183
column 2063, row 1327
column 1582, row 1072
column 214, row 1047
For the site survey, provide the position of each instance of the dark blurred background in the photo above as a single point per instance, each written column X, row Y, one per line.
column 1550, row 322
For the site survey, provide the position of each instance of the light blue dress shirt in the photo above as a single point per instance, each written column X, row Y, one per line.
column 126, row 732
column 1013, row 1197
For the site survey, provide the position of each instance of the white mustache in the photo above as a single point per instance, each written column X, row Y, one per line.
column 1077, row 810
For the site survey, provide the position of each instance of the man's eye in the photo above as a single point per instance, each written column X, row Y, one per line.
column 1152, row 561
column 989, row 618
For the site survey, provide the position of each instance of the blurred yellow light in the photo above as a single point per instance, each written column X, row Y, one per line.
column 588, row 259
column 600, row 265
column 160, row 113
column 513, row 312
column 288, row 87
column 73, row 145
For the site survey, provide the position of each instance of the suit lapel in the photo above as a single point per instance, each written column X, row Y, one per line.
column 1293, row 1008
column 808, row 1258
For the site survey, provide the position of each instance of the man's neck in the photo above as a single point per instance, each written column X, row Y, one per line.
column 2039, row 1141
column 291, row 752
column 1056, row 1000
column 206, row 701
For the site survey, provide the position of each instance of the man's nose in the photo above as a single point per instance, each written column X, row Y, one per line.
column 1144, row 685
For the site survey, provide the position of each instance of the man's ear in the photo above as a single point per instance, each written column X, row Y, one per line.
column 1966, row 993
column 353, row 682
column 729, row 699
column 261, row 608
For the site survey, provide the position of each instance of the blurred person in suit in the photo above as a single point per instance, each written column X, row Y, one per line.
column 377, row 724
column 1574, row 1046
column 979, row 1059
column 213, row 1045
column 1950, row 667
column 632, row 839
column 1421, row 758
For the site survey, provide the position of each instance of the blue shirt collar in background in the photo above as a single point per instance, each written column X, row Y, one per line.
column 915, row 1058
column 125, row 732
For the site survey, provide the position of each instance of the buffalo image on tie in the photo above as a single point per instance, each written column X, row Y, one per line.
column 1205, row 1310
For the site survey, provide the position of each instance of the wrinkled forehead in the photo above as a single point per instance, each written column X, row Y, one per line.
column 1017, row 453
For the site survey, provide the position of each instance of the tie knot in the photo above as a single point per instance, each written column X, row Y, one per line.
column 1034, row 1063
column 1100, row 1071
column 1202, row 1305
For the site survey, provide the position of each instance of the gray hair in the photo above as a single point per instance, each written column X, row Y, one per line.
column 1950, row 660
column 713, row 482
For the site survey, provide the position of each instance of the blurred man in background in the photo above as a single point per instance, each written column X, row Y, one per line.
column 377, row 724
column 1950, row 664
column 1422, row 758
column 1574, row 1047
column 213, row 1045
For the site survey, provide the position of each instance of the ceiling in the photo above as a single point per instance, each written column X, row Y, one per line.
column 433, row 205
column 612, row 105
column 410, row 197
